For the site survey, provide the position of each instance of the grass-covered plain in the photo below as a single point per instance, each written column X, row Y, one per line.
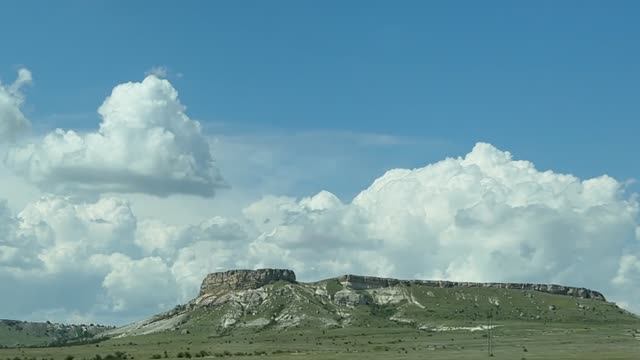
column 511, row 340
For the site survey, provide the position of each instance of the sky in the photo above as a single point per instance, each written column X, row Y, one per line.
column 144, row 146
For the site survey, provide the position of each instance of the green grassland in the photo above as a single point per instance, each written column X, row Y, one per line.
column 511, row 340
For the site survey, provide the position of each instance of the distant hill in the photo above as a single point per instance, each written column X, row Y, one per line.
column 260, row 300
column 15, row 333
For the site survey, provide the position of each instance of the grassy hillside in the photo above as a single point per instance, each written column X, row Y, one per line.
column 328, row 304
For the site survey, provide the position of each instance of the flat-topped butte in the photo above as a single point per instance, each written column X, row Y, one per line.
column 273, row 299
column 221, row 282
column 218, row 283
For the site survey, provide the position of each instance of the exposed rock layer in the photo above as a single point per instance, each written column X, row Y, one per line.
column 370, row 282
column 222, row 282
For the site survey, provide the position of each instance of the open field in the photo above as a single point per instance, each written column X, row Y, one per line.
column 512, row 340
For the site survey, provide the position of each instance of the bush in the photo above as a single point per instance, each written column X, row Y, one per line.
column 68, row 357
column 118, row 355
column 156, row 356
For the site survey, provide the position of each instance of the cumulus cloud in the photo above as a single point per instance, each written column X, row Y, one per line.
column 145, row 143
column 12, row 120
column 47, row 251
column 136, row 284
column 481, row 217
column 103, row 262
column 628, row 271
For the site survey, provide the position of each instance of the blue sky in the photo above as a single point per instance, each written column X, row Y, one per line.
column 297, row 97
column 552, row 82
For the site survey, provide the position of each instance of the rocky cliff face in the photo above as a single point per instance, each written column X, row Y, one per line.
column 222, row 282
column 358, row 282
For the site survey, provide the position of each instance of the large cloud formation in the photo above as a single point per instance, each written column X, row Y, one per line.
column 12, row 120
column 145, row 143
column 481, row 217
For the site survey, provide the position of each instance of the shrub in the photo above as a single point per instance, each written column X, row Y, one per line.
column 156, row 356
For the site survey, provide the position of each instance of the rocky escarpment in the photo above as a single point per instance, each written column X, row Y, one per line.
column 358, row 282
column 273, row 299
column 222, row 282
column 219, row 283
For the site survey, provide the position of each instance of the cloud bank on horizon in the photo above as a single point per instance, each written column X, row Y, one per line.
column 481, row 217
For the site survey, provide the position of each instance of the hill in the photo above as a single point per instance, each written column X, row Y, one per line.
column 257, row 300
column 15, row 333
column 242, row 314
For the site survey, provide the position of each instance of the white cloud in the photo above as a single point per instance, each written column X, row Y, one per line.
column 482, row 217
column 146, row 143
column 122, row 266
column 12, row 120
column 627, row 280
column 58, row 235
column 137, row 284
column 628, row 271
